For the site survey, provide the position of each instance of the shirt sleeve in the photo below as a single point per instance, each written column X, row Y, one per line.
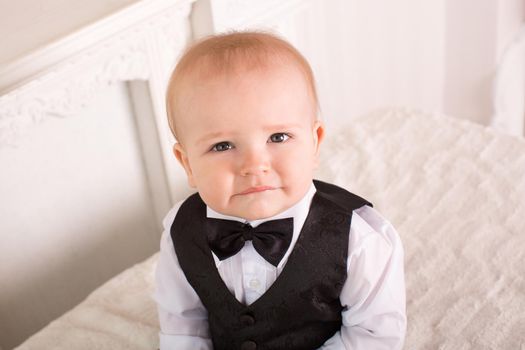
column 182, row 317
column 373, row 296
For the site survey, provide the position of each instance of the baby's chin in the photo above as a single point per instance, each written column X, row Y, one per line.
column 251, row 212
column 254, row 214
column 260, row 215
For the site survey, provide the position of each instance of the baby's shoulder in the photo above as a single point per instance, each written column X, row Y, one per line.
column 369, row 224
column 339, row 196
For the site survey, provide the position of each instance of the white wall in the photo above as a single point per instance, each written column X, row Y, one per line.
column 380, row 54
column 433, row 55
column 476, row 33
column 78, row 211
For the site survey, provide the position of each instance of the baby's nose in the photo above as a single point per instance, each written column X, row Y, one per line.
column 254, row 162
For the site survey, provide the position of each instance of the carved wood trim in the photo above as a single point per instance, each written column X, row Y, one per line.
column 64, row 89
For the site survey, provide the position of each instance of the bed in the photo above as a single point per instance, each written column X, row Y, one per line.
column 454, row 190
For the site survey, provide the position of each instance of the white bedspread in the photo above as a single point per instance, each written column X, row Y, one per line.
column 456, row 193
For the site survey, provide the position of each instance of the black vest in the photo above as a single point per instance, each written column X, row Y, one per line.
column 301, row 310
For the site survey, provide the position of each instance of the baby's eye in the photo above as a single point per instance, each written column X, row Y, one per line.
column 222, row 146
column 279, row 137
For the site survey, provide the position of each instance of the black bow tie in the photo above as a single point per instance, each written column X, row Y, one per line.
column 270, row 239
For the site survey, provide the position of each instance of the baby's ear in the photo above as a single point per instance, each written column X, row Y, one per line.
column 182, row 157
column 318, row 136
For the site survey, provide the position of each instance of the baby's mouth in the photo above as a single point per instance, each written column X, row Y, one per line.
column 257, row 189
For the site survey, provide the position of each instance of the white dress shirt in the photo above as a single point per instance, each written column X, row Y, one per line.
column 373, row 295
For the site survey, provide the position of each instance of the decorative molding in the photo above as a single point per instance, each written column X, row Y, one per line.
column 20, row 71
column 66, row 88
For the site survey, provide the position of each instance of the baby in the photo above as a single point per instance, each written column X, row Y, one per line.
column 263, row 256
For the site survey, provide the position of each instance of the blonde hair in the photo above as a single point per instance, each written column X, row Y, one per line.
column 225, row 53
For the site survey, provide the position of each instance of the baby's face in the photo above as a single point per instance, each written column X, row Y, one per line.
column 249, row 141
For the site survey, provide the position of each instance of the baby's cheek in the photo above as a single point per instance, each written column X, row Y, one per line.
column 218, row 185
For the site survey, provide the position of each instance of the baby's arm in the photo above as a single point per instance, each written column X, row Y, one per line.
column 374, row 292
column 183, row 319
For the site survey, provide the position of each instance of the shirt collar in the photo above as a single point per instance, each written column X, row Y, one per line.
column 298, row 212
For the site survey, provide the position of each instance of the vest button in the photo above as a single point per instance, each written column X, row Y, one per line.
column 247, row 320
column 249, row 345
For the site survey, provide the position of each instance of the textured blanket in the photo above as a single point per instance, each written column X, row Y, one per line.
column 455, row 191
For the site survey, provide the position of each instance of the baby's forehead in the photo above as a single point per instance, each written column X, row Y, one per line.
column 231, row 56
column 208, row 69
column 208, row 84
column 204, row 84
column 234, row 96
